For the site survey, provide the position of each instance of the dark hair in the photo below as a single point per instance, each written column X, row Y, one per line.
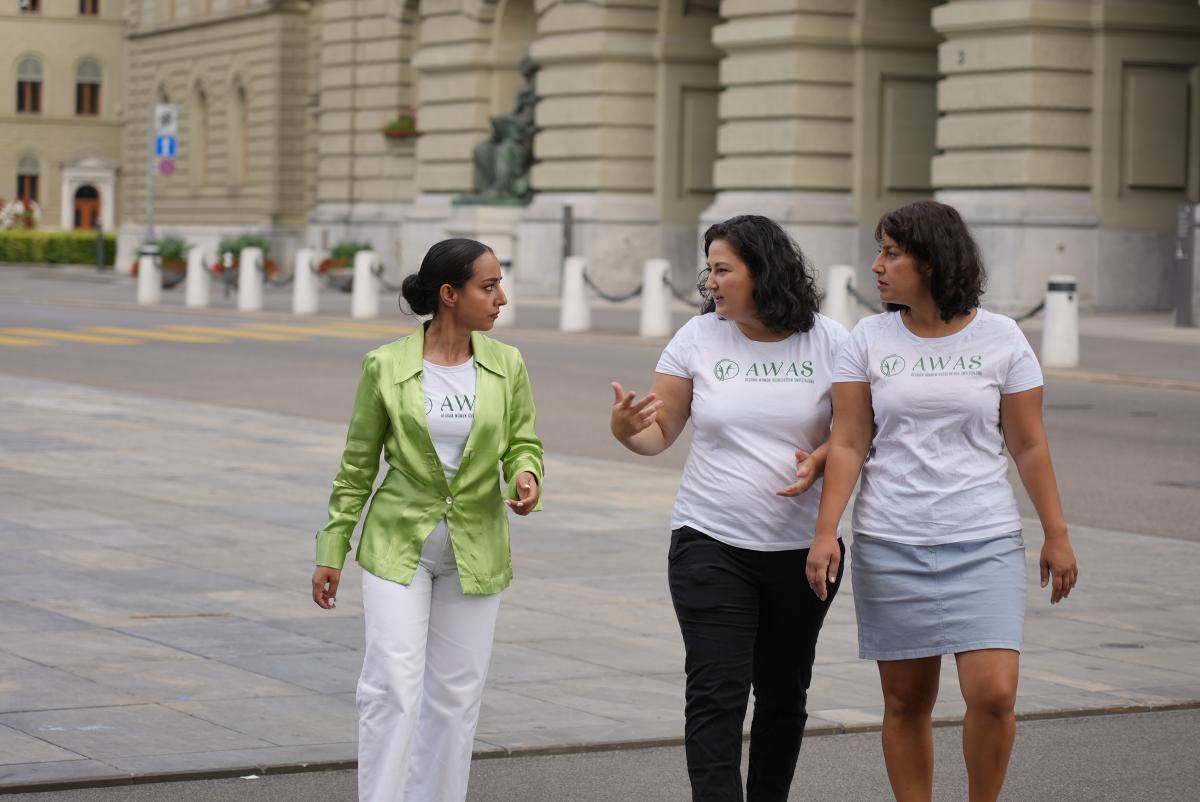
column 785, row 293
column 448, row 262
column 935, row 235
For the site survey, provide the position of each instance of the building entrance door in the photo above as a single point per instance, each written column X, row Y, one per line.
column 87, row 207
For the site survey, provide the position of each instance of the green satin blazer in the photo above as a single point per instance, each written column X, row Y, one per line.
column 389, row 414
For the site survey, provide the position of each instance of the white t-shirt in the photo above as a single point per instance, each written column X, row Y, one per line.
column 449, row 409
column 753, row 404
column 936, row 471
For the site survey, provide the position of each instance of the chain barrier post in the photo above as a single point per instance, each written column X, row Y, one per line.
column 508, row 312
column 840, row 303
column 305, row 293
column 574, row 313
column 364, row 299
column 655, row 317
column 149, row 284
column 250, row 280
column 1186, row 252
column 196, row 293
column 1060, row 334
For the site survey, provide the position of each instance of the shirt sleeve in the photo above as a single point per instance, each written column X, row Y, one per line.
column 675, row 357
column 1024, row 372
column 525, row 451
column 851, row 364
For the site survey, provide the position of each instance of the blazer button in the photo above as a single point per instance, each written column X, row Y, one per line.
column 449, row 500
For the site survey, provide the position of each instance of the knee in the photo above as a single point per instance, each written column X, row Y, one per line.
column 994, row 699
column 910, row 701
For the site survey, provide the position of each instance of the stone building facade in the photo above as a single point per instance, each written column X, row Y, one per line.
column 1066, row 131
column 62, row 86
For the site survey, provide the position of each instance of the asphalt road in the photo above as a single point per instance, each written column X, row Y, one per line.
column 1126, row 456
column 1131, row 758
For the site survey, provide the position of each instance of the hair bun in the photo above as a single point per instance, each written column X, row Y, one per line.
column 415, row 294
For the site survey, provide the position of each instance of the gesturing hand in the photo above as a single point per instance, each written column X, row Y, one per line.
column 629, row 418
column 527, row 493
column 807, row 471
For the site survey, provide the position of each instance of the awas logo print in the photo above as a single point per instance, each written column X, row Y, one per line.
column 892, row 365
column 949, row 365
column 725, row 370
column 780, row 372
column 452, row 406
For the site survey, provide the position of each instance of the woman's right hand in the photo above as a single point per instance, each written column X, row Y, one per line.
column 629, row 418
column 325, row 584
column 824, row 559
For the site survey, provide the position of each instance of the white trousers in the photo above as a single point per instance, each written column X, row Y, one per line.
column 427, row 651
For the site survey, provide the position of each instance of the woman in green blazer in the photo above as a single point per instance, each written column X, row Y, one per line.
column 452, row 410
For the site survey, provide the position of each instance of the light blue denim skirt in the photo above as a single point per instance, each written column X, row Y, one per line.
column 920, row 601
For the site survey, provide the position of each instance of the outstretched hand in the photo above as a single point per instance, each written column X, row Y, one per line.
column 629, row 418
column 528, row 493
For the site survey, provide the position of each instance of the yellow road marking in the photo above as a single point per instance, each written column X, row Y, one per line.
column 70, row 336
column 148, row 334
column 316, row 331
column 386, row 328
column 240, row 334
column 22, row 341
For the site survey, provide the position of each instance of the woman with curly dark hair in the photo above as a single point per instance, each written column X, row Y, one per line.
column 928, row 395
column 753, row 371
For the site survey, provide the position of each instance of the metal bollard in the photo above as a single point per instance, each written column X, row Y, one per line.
column 364, row 302
column 250, row 280
column 508, row 312
column 655, row 317
column 1060, row 334
column 149, row 285
column 197, row 289
column 574, row 313
column 839, row 304
column 305, row 291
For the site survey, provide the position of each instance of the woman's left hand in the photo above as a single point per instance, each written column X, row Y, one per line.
column 1059, row 567
column 808, row 468
column 528, row 493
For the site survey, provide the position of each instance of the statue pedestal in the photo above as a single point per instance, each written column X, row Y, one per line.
column 494, row 226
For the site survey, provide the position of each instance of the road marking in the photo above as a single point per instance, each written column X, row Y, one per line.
column 316, row 331
column 1100, row 377
column 21, row 341
column 239, row 334
column 385, row 328
column 71, row 336
column 148, row 334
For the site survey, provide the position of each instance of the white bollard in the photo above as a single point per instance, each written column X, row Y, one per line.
column 149, row 286
column 1060, row 334
column 197, row 289
column 574, row 313
column 508, row 312
column 655, row 317
column 365, row 300
column 250, row 280
column 839, row 303
column 305, row 290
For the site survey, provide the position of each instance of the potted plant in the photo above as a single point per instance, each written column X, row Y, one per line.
column 172, row 259
column 234, row 245
column 403, row 127
column 342, row 256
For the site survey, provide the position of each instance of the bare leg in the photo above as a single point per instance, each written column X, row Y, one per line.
column 909, row 691
column 988, row 678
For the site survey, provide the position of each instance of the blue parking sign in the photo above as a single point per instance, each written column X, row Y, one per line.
column 164, row 146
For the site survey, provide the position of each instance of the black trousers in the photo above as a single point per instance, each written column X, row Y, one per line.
column 748, row 618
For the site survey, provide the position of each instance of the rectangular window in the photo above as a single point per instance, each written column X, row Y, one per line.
column 87, row 98
column 29, row 96
column 27, row 187
column 89, row 8
column 31, row 6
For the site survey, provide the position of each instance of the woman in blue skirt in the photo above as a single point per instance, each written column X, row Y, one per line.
column 926, row 398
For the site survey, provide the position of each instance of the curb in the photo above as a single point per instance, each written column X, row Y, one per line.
column 294, row 767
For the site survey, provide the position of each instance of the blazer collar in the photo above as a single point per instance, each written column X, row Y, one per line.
column 411, row 352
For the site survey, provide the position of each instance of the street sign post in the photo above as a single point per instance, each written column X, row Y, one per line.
column 164, row 128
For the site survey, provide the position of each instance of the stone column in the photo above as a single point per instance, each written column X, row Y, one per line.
column 596, row 143
column 1064, row 139
column 826, row 117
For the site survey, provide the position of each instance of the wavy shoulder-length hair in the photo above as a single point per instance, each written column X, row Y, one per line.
column 936, row 237
column 785, row 292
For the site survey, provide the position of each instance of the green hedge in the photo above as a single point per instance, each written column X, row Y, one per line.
column 54, row 247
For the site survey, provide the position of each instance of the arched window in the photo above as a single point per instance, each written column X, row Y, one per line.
column 197, row 147
column 89, row 8
column 87, row 87
column 31, row 6
column 28, row 172
column 239, row 136
column 29, row 86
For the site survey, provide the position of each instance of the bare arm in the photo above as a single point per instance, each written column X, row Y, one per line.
column 853, row 428
column 1025, row 438
column 650, row 426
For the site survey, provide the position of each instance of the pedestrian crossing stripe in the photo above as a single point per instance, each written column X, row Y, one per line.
column 237, row 334
column 69, row 336
column 152, row 334
column 21, row 341
column 338, row 332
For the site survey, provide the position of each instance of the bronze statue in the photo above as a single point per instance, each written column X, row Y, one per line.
column 503, row 161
